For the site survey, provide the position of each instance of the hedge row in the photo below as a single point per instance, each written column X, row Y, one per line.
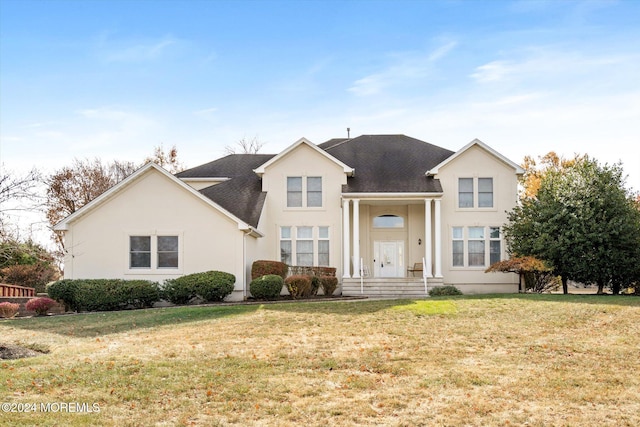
column 117, row 294
column 104, row 294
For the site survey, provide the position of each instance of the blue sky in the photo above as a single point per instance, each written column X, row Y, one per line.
column 115, row 78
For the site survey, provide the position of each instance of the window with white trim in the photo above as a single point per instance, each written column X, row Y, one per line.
column 475, row 193
column 323, row 246
column 304, row 191
column 305, row 245
column 475, row 246
column 285, row 245
column 146, row 252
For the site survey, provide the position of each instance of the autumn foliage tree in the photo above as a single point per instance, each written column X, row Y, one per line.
column 536, row 274
column 72, row 187
column 584, row 222
column 534, row 172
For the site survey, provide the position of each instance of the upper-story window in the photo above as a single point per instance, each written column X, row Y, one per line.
column 304, row 191
column 475, row 192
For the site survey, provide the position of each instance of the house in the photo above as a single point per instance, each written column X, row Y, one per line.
column 388, row 211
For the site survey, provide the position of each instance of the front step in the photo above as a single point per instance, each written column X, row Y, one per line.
column 392, row 287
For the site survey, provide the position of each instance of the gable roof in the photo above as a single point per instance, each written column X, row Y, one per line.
column 389, row 163
column 147, row 168
column 476, row 142
column 261, row 169
column 230, row 166
column 242, row 196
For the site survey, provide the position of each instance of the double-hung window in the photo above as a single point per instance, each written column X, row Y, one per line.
column 475, row 193
column 153, row 252
column 304, row 245
column 304, row 191
column 475, row 246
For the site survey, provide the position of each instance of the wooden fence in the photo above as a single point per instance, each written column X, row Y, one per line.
column 14, row 291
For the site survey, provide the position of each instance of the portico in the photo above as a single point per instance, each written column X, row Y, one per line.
column 388, row 233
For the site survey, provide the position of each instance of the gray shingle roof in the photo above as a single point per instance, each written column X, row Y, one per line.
column 389, row 163
column 383, row 164
column 228, row 167
column 242, row 196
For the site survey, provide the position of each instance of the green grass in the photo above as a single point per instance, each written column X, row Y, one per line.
column 533, row 360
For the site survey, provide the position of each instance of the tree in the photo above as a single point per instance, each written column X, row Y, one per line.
column 72, row 187
column 168, row 160
column 245, row 146
column 582, row 221
column 26, row 263
column 538, row 276
column 534, row 173
column 15, row 188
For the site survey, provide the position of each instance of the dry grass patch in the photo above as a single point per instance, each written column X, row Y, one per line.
column 494, row 360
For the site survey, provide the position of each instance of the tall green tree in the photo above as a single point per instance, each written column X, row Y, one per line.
column 584, row 222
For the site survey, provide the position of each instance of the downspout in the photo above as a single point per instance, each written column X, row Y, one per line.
column 244, row 264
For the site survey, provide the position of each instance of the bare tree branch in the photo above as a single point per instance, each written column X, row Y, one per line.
column 245, row 146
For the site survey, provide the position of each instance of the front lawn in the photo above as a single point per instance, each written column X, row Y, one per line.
column 537, row 360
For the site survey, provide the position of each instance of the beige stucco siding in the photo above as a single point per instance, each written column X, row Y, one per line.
column 303, row 161
column 476, row 163
column 97, row 243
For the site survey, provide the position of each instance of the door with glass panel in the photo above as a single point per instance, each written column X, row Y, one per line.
column 388, row 258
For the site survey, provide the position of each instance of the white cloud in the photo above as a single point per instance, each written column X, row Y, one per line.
column 134, row 51
column 492, row 72
column 405, row 67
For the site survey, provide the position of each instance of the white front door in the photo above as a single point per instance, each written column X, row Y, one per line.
column 388, row 258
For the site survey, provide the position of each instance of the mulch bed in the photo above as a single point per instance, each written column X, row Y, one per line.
column 8, row 351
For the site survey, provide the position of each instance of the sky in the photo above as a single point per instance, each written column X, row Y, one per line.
column 115, row 78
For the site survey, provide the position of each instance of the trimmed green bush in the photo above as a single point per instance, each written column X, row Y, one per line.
column 329, row 284
column 263, row 267
column 104, row 294
column 268, row 286
column 299, row 286
column 66, row 292
column 210, row 286
column 442, row 291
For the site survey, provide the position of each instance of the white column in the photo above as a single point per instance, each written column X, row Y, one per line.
column 346, row 251
column 356, row 238
column 438, row 238
column 428, row 240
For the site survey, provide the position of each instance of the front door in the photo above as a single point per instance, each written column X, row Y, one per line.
column 388, row 258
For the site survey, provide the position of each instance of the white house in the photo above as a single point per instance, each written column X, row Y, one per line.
column 387, row 211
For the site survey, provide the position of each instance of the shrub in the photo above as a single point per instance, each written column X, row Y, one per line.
column 104, row 294
column 66, row 292
column 210, row 286
column 177, row 291
column 268, row 286
column 329, row 284
column 140, row 293
column 441, row 291
column 40, row 305
column 315, row 285
column 299, row 286
column 262, row 268
column 8, row 309
column 29, row 275
column 215, row 285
